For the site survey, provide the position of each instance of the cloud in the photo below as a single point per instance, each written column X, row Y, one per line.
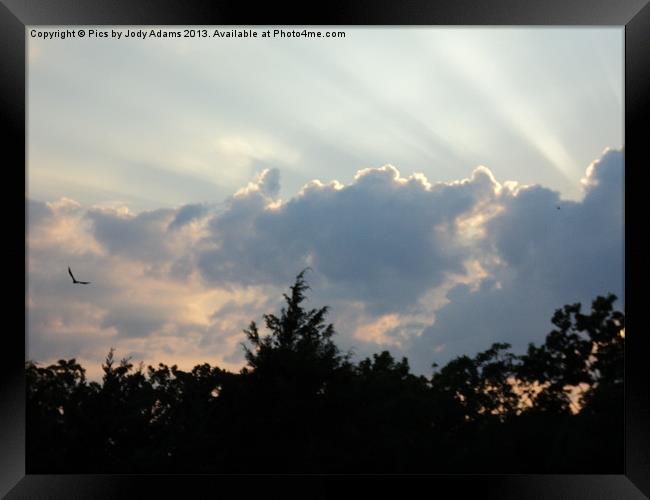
column 427, row 269
column 37, row 213
column 139, row 236
column 134, row 320
column 546, row 258
column 573, row 250
column 187, row 214
column 383, row 238
column 266, row 185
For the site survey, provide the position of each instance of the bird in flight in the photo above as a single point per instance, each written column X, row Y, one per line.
column 558, row 207
column 74, row 280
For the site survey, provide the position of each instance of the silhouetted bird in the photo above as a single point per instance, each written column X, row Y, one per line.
column 558, row 207
column 74, row 280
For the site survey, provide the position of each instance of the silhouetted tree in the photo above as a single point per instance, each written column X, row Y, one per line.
column 299, row 342
column 301, row 405
column 292, row 370
column 476, row 388
column 583, row 349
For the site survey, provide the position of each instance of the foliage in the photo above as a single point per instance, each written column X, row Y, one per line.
column 303, row 406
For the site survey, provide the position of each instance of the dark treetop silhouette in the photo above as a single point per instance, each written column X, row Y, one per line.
column 303, row 406
column 74, row 280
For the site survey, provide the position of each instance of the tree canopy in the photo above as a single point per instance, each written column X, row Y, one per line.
column 301, row 405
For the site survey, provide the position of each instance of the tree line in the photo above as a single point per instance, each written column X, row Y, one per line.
column 303, row 406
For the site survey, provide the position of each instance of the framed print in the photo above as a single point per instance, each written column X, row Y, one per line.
column 392, row 245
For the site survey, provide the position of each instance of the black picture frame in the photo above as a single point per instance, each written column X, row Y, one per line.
column 634, row 15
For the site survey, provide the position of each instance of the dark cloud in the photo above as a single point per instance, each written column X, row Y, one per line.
column 550, row 257
column 383, row 239
column 186, row 214
column 575, row 250
column 37, row 212
column 134, row 320
column 383, row 244
column 140, row 237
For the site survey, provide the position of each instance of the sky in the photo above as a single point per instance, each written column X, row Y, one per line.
column 417, row 171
